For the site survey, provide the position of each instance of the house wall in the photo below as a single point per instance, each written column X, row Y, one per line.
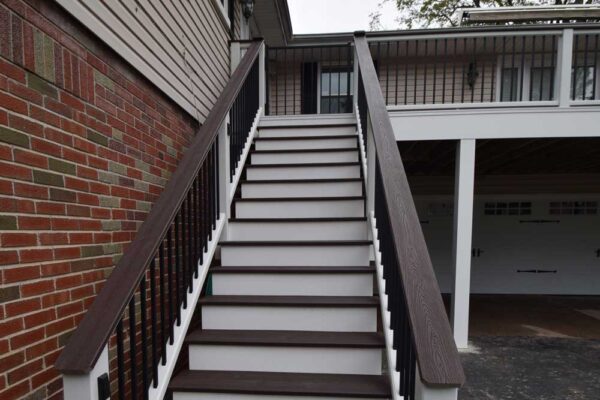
column 87, row 142
column 180, row 46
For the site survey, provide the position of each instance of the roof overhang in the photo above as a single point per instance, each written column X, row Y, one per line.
column 529, row 14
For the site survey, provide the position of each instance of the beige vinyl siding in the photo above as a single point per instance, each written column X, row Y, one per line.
column 237, row 20
column 284, row 88
column 181, row 46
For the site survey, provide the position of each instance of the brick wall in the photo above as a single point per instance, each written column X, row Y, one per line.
column 86, row 145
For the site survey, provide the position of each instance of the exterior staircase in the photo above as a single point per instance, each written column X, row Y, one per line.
column 293, row 312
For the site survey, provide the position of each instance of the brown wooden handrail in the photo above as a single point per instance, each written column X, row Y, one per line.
column 87, row 342
column 436, row 353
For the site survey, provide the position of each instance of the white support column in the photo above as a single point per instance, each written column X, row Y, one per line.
column 424, row 392
column 224, row 180
column 85, row 386
column 463, row 230
column 563, row 68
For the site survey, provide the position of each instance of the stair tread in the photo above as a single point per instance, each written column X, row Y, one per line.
column 312, row 137
column 280, row 220
column 280, row 383
column 286, row 338
column 295, row 243
column 313, row 126
column 315, row 301
column 326, row 150
column 254, row 199
column 291, row 269
column 302, row 165
column 293, row 181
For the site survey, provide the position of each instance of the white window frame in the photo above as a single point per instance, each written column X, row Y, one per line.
column 597, row 88
column 224, row 11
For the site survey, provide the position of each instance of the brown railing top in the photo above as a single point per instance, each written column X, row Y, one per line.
column 436, row 353
column 88, row 340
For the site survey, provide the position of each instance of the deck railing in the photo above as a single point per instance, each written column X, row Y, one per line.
column 416, row 326
column 129, row 340
column 550, row 65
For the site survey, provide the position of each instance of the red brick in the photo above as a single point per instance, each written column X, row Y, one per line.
column 55, row 298
column 42, row 348
column 50, row 208
column 34, row 223
column 31, row 191
column 49, row 239
column 36, row 288
column 59, row 326
column 40, row 114
column 11, row 326
column 12, row 71
column 25, row 93
column 25, row 371
column 75, row 156
column 13, row 103
column 15, row 171
column 45, row 377
column 69, row 309
column 18, row 239
column 64, row 253
column 68, row 281
column 16, row 391
column 45, row 147
column 40, row 318
column 22, row 307
column 11, row 361
column 76, row 184
column 71, row 101
column 35, row 255
column 8, row 257
column 30, row 158
column 20, row 274
column 59, row 137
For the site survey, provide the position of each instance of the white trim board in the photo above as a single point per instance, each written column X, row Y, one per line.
column 500, row 123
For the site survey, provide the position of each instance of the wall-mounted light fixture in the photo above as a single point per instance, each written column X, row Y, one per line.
column 472, row 74
column 247, row 8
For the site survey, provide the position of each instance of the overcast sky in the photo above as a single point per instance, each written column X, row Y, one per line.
column 324, row 16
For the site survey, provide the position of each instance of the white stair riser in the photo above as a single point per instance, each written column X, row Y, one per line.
column 329, row 255
column 304, row 157
column 308, row 189
column 292, row 284
column 332, row 360
column 307, row 172
column 290, row 318
column 306, row 131
column 302, row 144
column 298, row 230
column 300, row 209
column 235, row 396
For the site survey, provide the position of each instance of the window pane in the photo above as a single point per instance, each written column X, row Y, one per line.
column 541, row 83
column 583, row 80
column 335, row 81
column 325, row 84
column 510, row 82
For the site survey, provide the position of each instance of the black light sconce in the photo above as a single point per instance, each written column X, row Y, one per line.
column 472, row 74
column 247, row 8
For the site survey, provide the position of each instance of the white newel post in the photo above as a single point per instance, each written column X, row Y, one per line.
column 463, row 229
column 262, row 78
column 85, row 386
column 424, row 392
column 564, row 66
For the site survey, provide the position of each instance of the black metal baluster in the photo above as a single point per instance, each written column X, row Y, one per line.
column 494, row 61
column 585, row 64
column 396, row 71
column 190, row 243
column 425, row 72
column 596, row 50
column 178, row 271
column 542, row 68
column 462, row 87
column 454, row 70
column 153, row 323
column 161, row 289
column 484, row 52
column 416, row 70
column 512, row 66
column 575, row 66
column 132, row 349
column 474, row 40
column 144, row 329
column 502, row 68
column 405, row 75
column 120, row 361
column 170, row 283
column 533, row 57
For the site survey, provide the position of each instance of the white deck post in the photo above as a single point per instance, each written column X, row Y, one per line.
column 463, row 230
column 424, row 392
column 262, row 83
column 85, row 386
column 564, row 66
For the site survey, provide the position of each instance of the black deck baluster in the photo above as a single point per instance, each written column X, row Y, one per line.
column 153, row 323
column 425, row 72
column 161, row 289
column 454, row 70
column 416, row 71
column 494, row 61
column 132, row 349
column 180, row 301
column 190, row 243
column 462, row 86
column 120, row 361
column 575, row 66
column 170, row 284
column 502, row 68
column 445, row 65
column 144, row 329
column 523, row 69
column 405, row 75
column 396, row 71
column 512, row 66
column 483, row 68
column 585, row 64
